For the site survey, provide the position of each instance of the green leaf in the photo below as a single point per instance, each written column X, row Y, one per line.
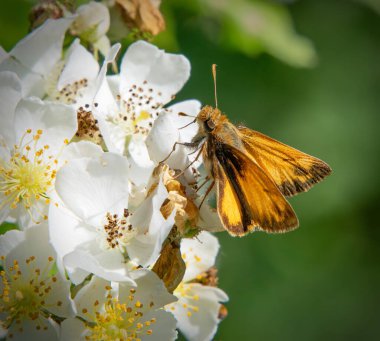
column 4, row 227
column 262, row 26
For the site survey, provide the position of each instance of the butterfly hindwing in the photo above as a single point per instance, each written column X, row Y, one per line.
column 292, row 171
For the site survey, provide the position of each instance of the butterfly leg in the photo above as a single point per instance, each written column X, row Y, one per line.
column 186, row 144
column 206, row 194
column 191, row 163
column 203, row 183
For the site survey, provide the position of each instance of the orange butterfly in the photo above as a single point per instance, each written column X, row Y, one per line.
column 253, row 173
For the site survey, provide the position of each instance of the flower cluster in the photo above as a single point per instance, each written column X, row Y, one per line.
column 109, row 242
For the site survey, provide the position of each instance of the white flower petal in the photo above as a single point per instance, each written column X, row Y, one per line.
column 159, row 148
column 110, row 58
column 198, row 318
column 57, row 121
column 190, row 107
column 73, row 329
column 90, row 187
column 66, row 232
column 41, row 49
column 35, row 242
column 104, row 99
column 10, row 94
column 33, row 84
column 26, row 218
column 108, row 265
column 164, row 329
column 141, row 165
column 199, row 254
column 77, row 150
column 80, row 64
column 10, row 240
column 31, row 333
column 209, row 218
column 94, row 291
column 164, row 72
column 152, row 227
column 149, row 289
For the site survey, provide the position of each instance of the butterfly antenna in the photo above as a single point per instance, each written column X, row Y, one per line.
column 214, row 76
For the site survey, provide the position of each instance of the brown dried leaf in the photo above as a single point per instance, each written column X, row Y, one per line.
column 170, row 266
column 143, row 15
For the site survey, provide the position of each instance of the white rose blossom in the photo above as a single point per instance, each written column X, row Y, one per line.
column 120, row 311
column 32, row 291
column 198, row 305
column 46, row 71
column 35, row 58
column 93, row 229
column 149, row 78
column 33, row 135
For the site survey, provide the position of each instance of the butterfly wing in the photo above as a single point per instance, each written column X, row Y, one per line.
column 292, row 171
column 247, row 198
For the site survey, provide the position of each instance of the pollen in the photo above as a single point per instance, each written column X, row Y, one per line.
column 23, row 293
column 27, row 177
column 136, row 111
column 88, row 128
column 120, row 321
column 118, row 231
column 70, row 92
column 185, row 290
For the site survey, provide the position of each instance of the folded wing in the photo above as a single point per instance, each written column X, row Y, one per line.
column 247, row 198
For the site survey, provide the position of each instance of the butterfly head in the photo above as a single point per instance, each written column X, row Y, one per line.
column 209, row 117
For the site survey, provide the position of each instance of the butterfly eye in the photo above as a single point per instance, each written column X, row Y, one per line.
column 210, row 124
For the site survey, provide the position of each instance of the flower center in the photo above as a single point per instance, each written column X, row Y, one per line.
column 136, row 113
column 28, row 176
column 88, row 128
column 70, row 92
column 23, row 294
column 185, row 290
column 120, row 321
column 132, row 123
column 118, row 231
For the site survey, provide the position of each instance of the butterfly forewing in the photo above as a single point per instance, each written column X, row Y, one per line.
column 247, row 198
column 292, row 171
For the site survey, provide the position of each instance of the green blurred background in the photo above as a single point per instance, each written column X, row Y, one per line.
column 322, row 280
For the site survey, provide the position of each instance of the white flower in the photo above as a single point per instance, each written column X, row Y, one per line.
column 72, row 76
column 46, row 71
column 34, row 58
column 149, row 78
column 91, row 24
column 31, row 290
column 33, row 135
column 93, row 229
column 118, row 311
column 77, row 79
column 198, row 306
